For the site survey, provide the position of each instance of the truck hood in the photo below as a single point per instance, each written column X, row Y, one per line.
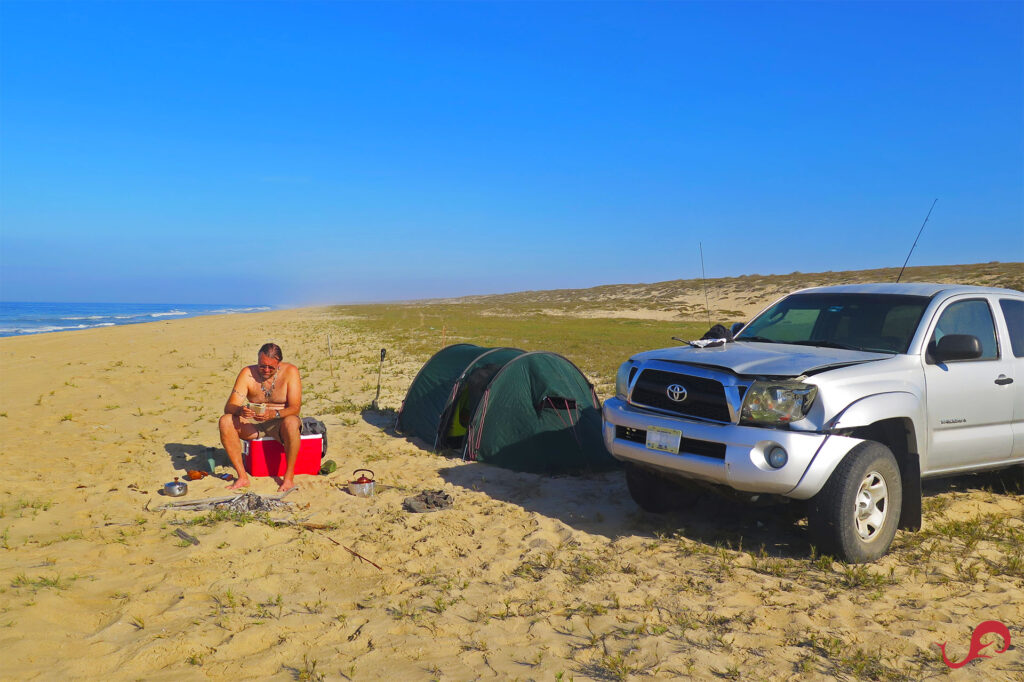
column 765, row 359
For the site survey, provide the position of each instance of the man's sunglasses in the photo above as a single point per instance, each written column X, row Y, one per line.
column 266, row 367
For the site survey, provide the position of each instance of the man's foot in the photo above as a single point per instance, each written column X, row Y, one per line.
column 286, row 485
column 242, row 482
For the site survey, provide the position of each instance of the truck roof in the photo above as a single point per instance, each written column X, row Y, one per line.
column 909, row 288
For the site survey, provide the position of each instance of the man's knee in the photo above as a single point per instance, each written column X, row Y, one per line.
column 291, row 424
column 227, row 424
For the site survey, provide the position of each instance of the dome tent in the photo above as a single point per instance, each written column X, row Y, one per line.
column 525, row 411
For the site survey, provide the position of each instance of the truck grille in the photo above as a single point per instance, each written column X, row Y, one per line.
column 705, row 398
column 689, row 446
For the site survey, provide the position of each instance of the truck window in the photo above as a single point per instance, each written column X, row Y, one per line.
column 969, row 317
column 881, row 323
column 792, row 325
column 1013, row 311
column 901, row 322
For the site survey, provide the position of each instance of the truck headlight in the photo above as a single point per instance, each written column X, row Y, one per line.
column 622, row 378
column 777, row 402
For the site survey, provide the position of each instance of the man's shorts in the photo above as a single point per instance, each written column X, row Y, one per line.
column 270, row 429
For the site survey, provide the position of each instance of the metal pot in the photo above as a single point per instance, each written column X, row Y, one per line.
column 362, row 486
column 175, row 488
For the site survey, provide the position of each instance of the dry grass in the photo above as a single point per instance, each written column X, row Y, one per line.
column 757, row 289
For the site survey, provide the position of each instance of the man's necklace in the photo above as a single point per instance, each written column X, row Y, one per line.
column 267, row 392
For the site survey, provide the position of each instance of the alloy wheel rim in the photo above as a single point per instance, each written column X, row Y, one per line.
column 872, row 506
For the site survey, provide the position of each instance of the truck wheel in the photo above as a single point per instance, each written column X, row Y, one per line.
column 854, row 517
column 656, row 494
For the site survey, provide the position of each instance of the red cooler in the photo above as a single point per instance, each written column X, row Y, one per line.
column 265, row 456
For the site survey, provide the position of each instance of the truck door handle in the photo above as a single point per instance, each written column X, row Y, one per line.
column 1003, row 380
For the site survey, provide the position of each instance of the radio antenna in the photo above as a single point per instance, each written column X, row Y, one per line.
column 704, row 281
column 915, row 240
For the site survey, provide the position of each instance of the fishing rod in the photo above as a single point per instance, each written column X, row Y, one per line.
column 915, row 240
column 383, row 353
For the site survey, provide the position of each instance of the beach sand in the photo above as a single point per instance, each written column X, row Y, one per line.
column 526, row 577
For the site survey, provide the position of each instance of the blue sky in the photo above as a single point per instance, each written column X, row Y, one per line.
column 292, row 153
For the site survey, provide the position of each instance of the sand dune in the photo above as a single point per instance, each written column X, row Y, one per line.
column 526, row 577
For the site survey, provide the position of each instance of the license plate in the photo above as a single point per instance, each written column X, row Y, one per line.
column 666, row 440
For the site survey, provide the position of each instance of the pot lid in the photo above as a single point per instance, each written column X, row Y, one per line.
column 363, row 478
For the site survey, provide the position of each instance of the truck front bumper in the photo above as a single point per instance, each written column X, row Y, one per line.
column 741, row 464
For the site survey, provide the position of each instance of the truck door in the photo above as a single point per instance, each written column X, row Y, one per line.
column 970, row 402
column 1013, row 315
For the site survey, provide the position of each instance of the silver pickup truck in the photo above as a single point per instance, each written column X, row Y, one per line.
column 844, row 396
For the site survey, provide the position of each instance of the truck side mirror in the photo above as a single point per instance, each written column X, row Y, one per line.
column 736, row 326
column 957, row 347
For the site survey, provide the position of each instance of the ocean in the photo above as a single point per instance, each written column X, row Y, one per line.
column 19, row 318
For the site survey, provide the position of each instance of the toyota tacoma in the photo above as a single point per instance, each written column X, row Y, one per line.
column 843, row 396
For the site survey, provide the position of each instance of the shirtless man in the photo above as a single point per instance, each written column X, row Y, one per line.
column 274, row 389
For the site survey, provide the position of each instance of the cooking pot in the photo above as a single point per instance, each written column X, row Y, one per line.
column 175, row 488
column 362, row 486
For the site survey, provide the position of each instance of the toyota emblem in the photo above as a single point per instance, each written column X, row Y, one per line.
column 676, row 393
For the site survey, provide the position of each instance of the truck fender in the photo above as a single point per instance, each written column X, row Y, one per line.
column 874, row 408
column 910, row 443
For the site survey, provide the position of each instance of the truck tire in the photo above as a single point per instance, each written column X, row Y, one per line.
column 656, row 494
column 855, row 516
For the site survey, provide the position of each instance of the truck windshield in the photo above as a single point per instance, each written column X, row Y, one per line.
column 881, row 323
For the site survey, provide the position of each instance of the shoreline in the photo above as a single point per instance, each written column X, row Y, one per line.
column 21, row 318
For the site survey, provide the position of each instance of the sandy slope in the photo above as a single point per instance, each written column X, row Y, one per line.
column 527, row 577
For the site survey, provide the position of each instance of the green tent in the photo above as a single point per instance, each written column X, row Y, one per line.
column 524, row 411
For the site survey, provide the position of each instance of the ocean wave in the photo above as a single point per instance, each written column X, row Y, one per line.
column 51, row 328
column 229, row 311
column 21, row 319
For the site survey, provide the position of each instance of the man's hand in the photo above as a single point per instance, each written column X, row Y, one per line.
column 246, row 413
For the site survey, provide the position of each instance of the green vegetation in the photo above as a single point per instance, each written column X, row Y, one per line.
column 581, row 323
column 216, row 516
column 55, row 582
column 596, row 345
column 308, row 671
column 842, row 660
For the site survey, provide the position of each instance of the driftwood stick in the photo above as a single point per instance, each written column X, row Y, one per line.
column 353, row 552
column 193, row 503
column 201, row 504
column 198, row 506
column 360, row 556
column 324, row 526
column 186, row 537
